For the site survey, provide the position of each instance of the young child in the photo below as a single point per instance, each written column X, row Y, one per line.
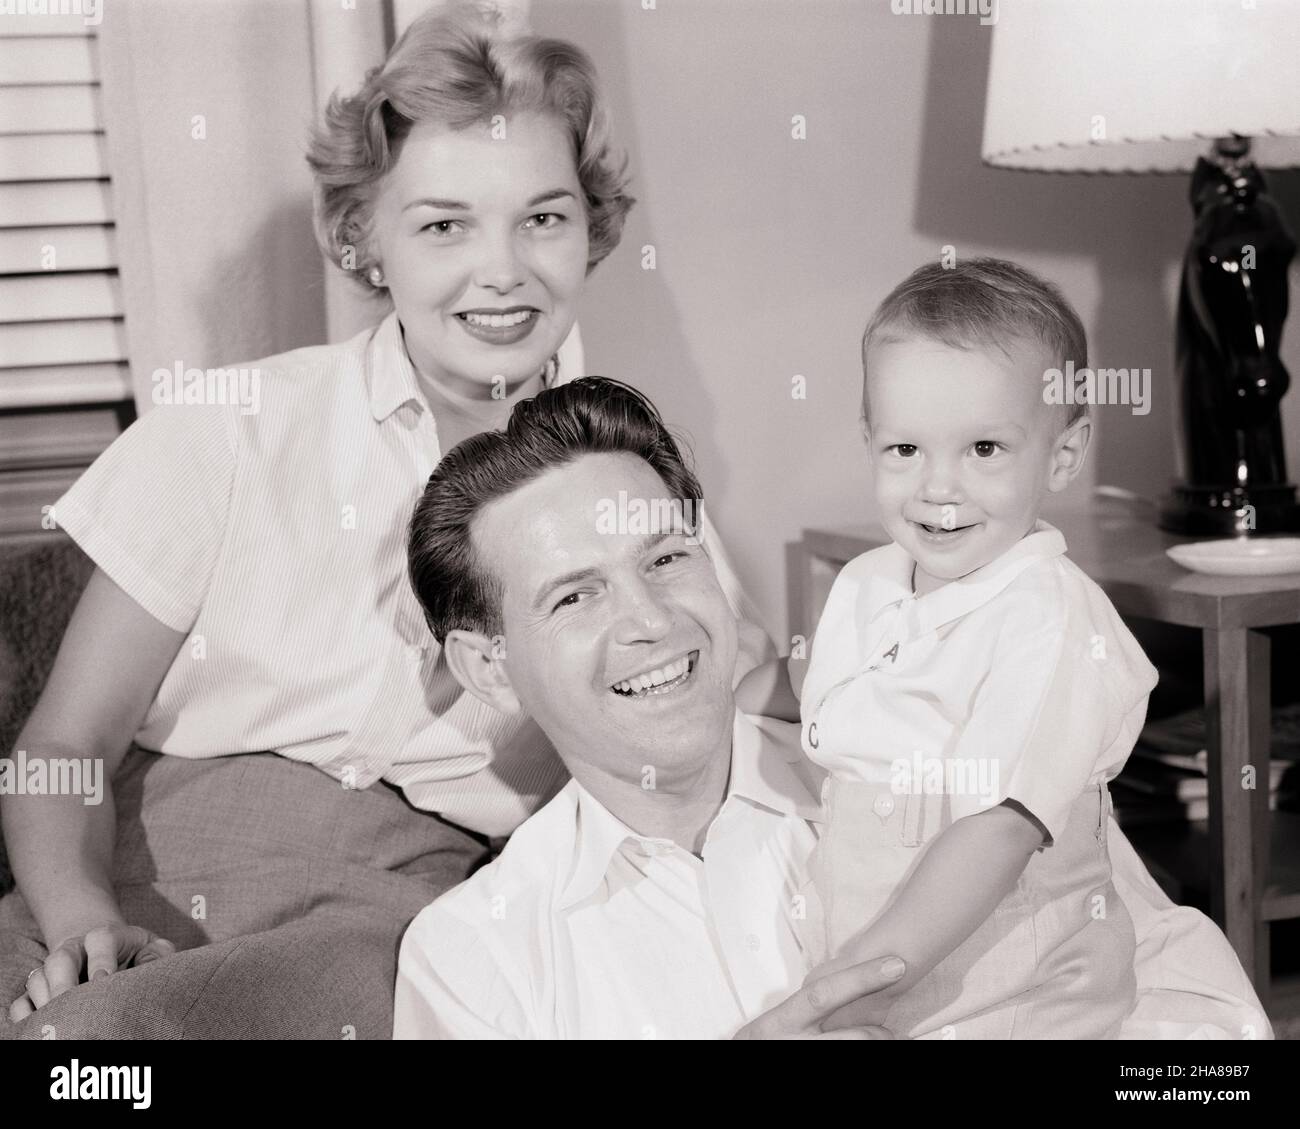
column 970, row 691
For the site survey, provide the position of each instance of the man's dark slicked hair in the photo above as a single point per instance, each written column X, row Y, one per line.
column 590, row 416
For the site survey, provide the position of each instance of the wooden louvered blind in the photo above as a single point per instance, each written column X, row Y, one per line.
column 65, row 388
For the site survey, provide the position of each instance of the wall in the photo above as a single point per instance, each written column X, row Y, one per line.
column 209, row 104
column 771, row 252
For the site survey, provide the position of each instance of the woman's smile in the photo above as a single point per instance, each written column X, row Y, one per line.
column 499, row 327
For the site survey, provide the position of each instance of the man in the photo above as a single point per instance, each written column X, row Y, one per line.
column 664, row 892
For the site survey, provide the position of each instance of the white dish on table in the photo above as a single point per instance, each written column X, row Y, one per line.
column 1240, row 556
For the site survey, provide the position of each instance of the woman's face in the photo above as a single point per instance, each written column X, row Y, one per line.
column 482, row 237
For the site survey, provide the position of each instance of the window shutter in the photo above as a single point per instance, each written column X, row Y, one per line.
column 65, row 386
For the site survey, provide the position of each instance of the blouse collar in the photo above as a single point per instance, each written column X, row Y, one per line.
column 390, row 375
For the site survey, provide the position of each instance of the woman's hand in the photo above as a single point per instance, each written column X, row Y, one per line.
column 768, row 690
column 109, row 667
column 81, row 958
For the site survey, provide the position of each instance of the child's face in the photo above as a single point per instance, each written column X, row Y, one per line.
column 964, row 448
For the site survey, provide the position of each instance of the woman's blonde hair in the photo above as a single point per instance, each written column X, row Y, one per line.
column 457, row 70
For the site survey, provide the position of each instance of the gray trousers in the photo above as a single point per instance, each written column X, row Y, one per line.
column 285, row 893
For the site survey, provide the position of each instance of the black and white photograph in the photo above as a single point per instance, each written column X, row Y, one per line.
column 650, row 520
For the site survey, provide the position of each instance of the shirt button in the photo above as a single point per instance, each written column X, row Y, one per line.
column 883, row 805
column 752, row 943
column 418, row 652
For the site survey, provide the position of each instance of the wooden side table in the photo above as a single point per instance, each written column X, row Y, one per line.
column 1125, row 555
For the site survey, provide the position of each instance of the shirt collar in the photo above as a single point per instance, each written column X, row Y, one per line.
column 768, row 769
column 971, row 591
column 390, row 376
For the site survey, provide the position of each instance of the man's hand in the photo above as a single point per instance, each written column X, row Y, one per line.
column 807, row 1014
column 863, row 1011
column 98, row 952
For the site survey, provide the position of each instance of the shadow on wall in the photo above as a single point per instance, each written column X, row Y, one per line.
column 665, row 370
column 239, row 289
column 1135, row 229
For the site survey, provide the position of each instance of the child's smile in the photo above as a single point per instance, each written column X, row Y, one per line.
column 938, row 535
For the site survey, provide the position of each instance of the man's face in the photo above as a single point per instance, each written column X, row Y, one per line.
column 591, row 617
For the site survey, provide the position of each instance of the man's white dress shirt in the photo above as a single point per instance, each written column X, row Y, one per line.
column 582, row 928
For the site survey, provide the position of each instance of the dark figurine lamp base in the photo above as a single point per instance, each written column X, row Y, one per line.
column 1231, row 307
column 1231, row 512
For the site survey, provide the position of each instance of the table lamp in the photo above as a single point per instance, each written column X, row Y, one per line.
column 1210, row 87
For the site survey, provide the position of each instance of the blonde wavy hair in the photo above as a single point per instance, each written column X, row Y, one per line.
column 460, row 70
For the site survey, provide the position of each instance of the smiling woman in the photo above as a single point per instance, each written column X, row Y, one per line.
column 250, row 593
column 484, row 283
column 474, row 180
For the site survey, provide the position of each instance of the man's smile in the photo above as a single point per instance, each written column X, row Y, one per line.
column 663, row 679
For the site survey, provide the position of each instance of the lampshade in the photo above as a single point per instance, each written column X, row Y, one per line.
column 1141, row 85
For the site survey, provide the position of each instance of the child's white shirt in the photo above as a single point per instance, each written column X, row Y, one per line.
column 1018, row 681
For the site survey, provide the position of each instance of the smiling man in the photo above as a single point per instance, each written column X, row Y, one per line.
column 658, row 894
column 664, row 892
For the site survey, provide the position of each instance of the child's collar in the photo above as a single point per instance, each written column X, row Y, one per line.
column 959, row 597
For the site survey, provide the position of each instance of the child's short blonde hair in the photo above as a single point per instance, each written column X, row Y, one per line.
column 980, row 302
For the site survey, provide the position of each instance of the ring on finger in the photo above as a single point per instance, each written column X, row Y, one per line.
column 34, row 971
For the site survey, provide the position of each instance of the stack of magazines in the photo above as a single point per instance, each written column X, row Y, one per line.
column 1165, row 779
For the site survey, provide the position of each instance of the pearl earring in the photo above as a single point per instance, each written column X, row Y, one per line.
column 376, row 276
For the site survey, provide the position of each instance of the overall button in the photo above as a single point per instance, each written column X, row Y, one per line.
column 883, row 805
column 752, row 943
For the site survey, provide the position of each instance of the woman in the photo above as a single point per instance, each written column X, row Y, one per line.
column 250, row 592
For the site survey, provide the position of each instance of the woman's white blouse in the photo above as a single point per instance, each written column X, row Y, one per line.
column 276, row 541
